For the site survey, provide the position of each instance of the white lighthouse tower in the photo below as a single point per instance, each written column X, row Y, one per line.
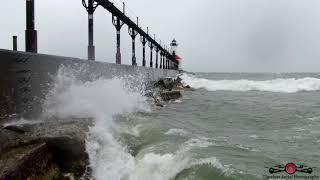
column 174, row 48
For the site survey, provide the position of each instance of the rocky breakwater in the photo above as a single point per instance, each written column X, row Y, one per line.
column 167, row 89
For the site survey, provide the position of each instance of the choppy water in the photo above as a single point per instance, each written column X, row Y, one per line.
column 233, row 126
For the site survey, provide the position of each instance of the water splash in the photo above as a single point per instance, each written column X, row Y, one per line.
column 101, row 100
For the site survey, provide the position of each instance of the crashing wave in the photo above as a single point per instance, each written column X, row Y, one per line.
column 101, row 100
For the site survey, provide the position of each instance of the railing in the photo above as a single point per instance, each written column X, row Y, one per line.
column 119, row 18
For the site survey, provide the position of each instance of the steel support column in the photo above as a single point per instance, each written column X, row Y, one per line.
column 90, row 7
column 157, row 54
column 164, row 61
column 161, row 56
column 133, row 35
column 91, row 48
column 167, row 63
column 143, row 41
column 151, row 49
column 118, row 24
column 30, row 33
column 15, row 43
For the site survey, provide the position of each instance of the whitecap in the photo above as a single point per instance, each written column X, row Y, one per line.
column 299, row 129
column 201, row 142
column 315, row 118
column 177, row 132
column 247, row 148
column 254, row 136
column 290, row 85
column 178, row 101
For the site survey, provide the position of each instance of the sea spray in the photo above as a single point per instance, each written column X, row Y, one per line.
column 290, row 85
column 99, row 99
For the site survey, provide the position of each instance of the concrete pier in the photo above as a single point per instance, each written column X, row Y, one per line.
column 26, row 78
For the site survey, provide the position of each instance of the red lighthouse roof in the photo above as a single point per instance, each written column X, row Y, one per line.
column 178, row 58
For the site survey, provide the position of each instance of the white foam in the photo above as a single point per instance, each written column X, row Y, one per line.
column 178, row 101
column 299, row 129
column 21, row 122
column 158, row 167
column 201, row 142
column 247, row 148
column 316, row 118
column 291, row 85
column 177, row 132
column 167, row 166
column 128, row 129
column 254, row 136
column 214, row 162
column 136, row 130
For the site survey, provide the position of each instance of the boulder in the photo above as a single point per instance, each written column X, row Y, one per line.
column 49, row 156
column 170, row 95
column 33, row 162
column 69, row 153
column 165, row 83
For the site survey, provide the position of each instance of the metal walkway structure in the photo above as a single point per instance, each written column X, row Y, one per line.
column 119, row 18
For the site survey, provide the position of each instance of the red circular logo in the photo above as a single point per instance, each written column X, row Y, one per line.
column 291, row 168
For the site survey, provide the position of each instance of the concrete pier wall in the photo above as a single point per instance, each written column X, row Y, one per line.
column 26, row 78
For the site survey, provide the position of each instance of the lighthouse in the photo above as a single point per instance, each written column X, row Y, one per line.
column 174, row 47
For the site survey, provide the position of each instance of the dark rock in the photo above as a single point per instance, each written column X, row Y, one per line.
column 159, row 104
column 33, row 162
column 14, row 128
column 189, row 88
column 9, row 138
column 64, row 154
column 149, row 94
column 19, row 128
column 165, row 83
column 178, row 81
column 168, row 83
column 170, row 95
column 69, row 153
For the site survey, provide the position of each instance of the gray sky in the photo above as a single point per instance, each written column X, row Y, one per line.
column 214, row 35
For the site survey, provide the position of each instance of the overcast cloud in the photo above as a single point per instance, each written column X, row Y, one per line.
column 214, row 35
